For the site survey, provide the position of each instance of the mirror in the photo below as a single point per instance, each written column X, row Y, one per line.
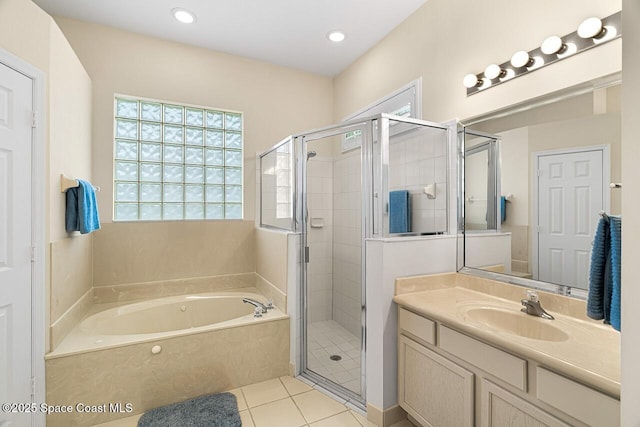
column 552, row 163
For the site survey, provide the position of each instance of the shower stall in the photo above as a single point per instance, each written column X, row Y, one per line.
column 374, row 178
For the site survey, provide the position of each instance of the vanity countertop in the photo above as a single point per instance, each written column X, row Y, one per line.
column 589, row 352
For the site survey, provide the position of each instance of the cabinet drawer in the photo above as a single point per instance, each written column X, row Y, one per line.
column 417, row 326
column 508, row 368
column 581, row 402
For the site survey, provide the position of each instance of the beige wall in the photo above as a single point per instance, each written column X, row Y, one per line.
column 271, row 257
column 445, row 40
column 69, row 154
column 29, row 33
column 148, row 252
column 630, row 392
column 276, row 101
column 24, row 31
column 69, row 125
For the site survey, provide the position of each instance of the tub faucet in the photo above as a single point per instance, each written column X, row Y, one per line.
column 531, row 305
column 263, row 308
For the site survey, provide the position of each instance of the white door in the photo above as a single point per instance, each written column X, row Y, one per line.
column 570, row 198
column 16, row 106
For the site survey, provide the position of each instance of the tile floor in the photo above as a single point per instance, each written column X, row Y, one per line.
column 285, row 402
column 328, row 338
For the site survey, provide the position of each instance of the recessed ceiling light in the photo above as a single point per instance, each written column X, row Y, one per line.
column 336, row 36
column 183, row 15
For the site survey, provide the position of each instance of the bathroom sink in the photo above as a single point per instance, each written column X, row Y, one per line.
column 516, row 323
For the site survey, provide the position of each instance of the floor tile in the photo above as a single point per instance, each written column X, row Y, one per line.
column 242, row 404
column 362, row 419
column 245, row 418
column 294, row 386
column 281, row 413
column 404, row 423
column 344, row 419
column 327, row 338
column 316, row 406
column 122, row 422
column 264, row 392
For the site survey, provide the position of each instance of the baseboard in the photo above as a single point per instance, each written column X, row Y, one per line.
column 387, row 417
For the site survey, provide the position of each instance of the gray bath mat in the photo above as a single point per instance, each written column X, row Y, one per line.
column 213, row 410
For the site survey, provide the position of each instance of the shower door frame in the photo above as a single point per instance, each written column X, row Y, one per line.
column 364, row 125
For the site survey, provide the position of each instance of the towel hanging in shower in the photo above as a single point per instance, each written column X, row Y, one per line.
column 399, row 212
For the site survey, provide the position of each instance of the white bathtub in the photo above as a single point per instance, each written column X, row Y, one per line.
column 110, row 325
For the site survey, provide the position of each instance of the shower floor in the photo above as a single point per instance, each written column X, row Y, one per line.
column 327, row 338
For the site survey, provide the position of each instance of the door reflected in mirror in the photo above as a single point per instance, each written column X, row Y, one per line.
column 553, row 165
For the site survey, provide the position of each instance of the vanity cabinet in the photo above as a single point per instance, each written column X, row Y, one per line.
column 500, row 408
column 434, row 390
column 450, row 379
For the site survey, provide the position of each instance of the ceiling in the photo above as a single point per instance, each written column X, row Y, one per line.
column 284, row 32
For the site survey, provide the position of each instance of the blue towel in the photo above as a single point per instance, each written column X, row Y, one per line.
column 599, row 273
column 503, row 209
column 82, row 209
column 615, row 226
column 399, row 212
column 603, row 301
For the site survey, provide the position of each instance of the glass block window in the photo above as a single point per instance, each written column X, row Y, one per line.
column 176, row 162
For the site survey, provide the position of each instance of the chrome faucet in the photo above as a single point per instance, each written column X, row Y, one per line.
column 531, row 305
column 263, row 307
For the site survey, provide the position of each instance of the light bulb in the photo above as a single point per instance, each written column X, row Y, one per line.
column 493, row 71
column 591, row 27
column 470, row 80
column 336, row 36
column 551, row 45
column 183, row 16
column 521, row 59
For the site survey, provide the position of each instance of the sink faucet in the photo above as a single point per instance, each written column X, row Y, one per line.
column 531, row 305
column 263, row 308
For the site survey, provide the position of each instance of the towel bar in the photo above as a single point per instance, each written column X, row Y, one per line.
column 67, row 183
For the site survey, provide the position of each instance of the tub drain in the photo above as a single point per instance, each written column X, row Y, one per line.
column 335, row 357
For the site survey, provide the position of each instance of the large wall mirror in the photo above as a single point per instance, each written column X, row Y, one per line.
column 536, row 180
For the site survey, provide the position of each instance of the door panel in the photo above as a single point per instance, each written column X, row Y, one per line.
column 15, row 241
column 571, row 195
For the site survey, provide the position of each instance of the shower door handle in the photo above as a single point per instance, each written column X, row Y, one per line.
column 306, row 254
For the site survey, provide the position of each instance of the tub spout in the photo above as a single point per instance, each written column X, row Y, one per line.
column 256, row 304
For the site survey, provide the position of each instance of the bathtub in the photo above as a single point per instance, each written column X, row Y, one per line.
column 152, row 353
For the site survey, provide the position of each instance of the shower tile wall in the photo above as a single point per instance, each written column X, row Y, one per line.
column 320, row 238
column 347, row 264
column 416, row 160
column 276, row 184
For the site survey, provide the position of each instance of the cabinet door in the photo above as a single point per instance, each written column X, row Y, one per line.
column 432, row 389
column 501, row 408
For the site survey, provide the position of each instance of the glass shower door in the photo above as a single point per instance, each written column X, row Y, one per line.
column 333, row 330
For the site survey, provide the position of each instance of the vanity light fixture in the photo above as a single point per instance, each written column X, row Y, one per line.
column 471, row 80
column 493, row 71
column 522, row 59
column 591, row 28
column 552, row 45
column 336, row 36
column 183, row 15
column 592, row 32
